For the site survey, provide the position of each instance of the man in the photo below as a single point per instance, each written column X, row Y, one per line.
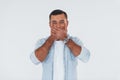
column 73, row 49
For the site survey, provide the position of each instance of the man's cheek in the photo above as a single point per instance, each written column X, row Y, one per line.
column 63, row 28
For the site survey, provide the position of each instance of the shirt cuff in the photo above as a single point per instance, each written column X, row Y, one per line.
column 84, row 55
column 34, row 58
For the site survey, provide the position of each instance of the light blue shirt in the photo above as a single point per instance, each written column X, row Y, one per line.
column 70, row 61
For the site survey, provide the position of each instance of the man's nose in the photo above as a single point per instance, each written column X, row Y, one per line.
column 58, row 25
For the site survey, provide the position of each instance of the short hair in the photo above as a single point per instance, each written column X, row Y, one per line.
column 57, row 12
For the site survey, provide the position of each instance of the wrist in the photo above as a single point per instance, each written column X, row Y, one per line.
column 51, row 39
column 66, row 39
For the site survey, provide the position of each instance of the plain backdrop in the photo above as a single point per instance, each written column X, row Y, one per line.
column 95, row 22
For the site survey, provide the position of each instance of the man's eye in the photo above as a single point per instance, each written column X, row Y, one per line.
column 61, row 22
column 54, row 23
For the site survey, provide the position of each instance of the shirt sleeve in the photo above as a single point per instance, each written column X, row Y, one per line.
column 85, row 53
column 33, row 57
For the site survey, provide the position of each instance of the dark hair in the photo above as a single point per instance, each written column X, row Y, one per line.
column 57, row 12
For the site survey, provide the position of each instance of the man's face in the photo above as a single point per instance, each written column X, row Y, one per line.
column 58, row 21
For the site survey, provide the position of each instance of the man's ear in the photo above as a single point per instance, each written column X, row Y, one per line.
column 50, row 24
column 67, row 23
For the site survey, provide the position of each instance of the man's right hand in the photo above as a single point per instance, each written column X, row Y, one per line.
column 53, row 35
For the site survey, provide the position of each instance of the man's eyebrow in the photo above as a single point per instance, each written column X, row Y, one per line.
column 53, row 21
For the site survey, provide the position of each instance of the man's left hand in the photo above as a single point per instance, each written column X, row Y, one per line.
column 61, row 34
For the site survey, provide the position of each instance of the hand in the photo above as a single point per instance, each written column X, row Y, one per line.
column 53, row 36
column 58, row 33
column 61, row 34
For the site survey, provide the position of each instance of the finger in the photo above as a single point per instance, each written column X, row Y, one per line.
column 53, row 32
column 57, row 29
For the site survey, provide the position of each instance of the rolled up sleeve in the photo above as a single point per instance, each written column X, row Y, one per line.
column 85, row 53
column 33, row 57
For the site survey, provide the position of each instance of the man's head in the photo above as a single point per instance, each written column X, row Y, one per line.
column 58, row 18
column 57, row 12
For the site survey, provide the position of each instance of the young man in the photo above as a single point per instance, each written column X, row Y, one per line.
column 59, row 52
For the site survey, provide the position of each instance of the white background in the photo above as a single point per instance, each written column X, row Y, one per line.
column 95, row 22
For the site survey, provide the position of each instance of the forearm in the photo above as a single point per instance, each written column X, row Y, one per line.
column 76, row 49
column 42, row 52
